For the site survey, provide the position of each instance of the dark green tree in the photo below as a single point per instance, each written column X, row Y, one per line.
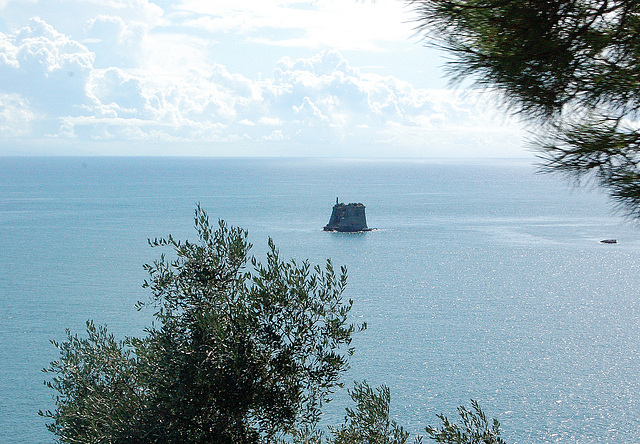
column 474, row 428
column 572, row 66
column 240, row 352
column 369, row 422
column 100, row 398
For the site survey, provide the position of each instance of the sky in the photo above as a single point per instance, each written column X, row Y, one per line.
column 346, row 78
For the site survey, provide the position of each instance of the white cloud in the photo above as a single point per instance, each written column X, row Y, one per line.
column 336, row 24
column 270, row 121
column 44, row 66
column 16, row 116
column 117, row 93
column 308, row 113
column 61, row 87
column 116, row 43
column 275, row 136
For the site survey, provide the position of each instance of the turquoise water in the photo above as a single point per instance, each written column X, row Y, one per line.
column 483, row 280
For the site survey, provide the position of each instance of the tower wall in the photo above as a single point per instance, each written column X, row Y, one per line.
column 347, row 218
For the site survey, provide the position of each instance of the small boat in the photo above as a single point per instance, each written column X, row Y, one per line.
column 609, row 241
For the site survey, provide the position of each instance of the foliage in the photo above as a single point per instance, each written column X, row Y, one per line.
column 240, row 352
column 572, row 65
column 100, row 398
column 474, row 428
column 369, row 422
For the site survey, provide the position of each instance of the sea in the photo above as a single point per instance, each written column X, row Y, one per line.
column 482, row 280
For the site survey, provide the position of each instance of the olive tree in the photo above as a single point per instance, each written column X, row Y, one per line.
column 473, row 428
column 369, row 422
column 240, row 351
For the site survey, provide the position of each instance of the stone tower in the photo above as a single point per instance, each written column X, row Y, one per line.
column 347, row 218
